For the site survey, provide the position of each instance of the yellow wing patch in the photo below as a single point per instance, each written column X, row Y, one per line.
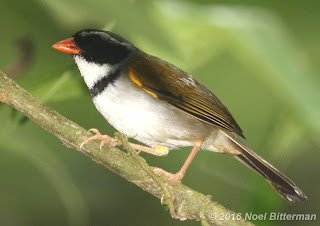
column 151, row 93
column 138, row 82
column 134, row 78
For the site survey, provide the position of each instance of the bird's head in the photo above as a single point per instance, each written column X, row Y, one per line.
column 97, row 46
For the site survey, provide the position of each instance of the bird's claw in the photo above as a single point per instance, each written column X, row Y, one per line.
column 173, row 177
column 105, row 139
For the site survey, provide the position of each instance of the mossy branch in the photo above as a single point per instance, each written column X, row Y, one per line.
column 183, row 202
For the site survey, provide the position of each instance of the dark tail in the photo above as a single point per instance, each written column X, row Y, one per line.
column 282, row 184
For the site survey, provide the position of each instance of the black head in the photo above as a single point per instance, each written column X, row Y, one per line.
column 102, row 46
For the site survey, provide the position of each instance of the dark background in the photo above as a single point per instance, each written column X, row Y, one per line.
column 261, row 58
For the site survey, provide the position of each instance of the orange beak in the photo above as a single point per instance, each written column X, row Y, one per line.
column 67, row 46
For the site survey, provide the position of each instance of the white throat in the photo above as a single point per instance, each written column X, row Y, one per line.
column 92, row 72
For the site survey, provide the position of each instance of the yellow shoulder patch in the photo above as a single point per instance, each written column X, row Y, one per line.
column 134, row 78
column 138, row 82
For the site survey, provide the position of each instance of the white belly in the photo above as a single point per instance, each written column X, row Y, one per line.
column 141, row 116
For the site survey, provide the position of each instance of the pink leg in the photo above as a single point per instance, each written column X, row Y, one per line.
column 179, row 175
column 105, row 139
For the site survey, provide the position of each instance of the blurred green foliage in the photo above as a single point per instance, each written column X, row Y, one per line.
column 261, row 58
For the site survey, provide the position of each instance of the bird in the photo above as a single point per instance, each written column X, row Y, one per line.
column 161, row 106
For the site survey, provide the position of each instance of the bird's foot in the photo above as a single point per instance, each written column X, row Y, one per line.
column 173, row 177
column 156, row 150
column 105, row 139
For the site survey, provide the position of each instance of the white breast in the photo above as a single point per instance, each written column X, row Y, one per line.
column 141, row 116
column 138, row 114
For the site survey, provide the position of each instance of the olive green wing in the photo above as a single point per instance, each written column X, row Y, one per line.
column 174, row 86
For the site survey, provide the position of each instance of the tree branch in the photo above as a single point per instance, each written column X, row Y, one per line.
column 183, row 202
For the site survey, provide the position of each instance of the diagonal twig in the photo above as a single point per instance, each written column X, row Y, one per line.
column 184, row 202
